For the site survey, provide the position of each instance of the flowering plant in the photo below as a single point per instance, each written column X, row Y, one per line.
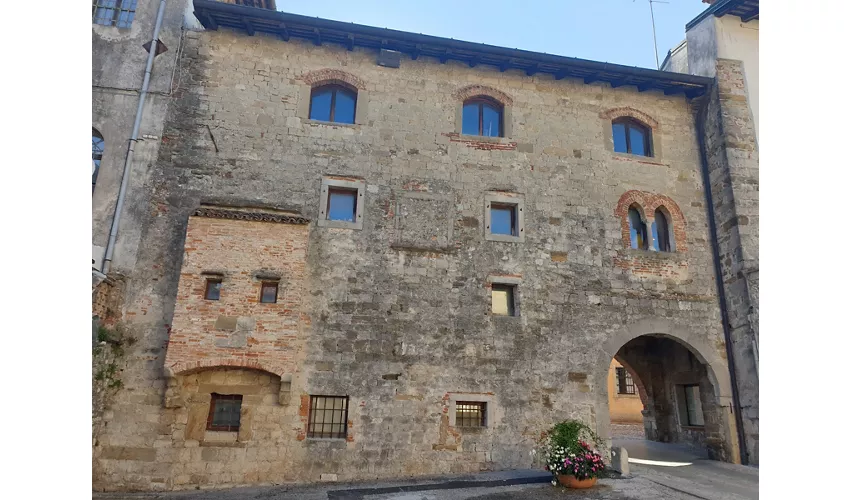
column 566, row 452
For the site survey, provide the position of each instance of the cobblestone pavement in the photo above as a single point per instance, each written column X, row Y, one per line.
column 627, row 431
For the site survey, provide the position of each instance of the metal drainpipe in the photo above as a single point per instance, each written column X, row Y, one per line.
column 128, row 161
column 721, row 293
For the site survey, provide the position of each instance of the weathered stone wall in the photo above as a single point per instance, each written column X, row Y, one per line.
column 732, row 156
column 399, row 310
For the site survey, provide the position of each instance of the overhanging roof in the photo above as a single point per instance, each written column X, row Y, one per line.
column 747, row 10
column 214, row 15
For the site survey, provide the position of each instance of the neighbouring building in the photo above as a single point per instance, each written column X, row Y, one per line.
column 624, row 399
column 352, row 253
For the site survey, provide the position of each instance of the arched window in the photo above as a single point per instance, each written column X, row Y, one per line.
column 333, row 103
column 637, row 230
column 96, row 155
column 661, row 235
column 482, row 116
column 631, row 136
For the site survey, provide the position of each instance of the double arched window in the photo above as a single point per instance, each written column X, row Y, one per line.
column 483, row 116
column 96, row 155
column 333, row 103
column 632, row 137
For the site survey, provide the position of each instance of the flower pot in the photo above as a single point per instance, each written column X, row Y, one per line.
column 572, row 482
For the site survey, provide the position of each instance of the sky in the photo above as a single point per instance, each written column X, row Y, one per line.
column 614, row 31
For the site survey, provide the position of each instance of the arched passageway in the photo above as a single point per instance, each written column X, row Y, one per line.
column 683, row 385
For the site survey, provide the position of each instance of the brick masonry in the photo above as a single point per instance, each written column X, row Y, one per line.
column 399, row 327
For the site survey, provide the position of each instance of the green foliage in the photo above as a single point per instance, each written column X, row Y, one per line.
column 570, row 433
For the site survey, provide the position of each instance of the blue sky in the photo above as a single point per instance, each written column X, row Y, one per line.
column 616, row 31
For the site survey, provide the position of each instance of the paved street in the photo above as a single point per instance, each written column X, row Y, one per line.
column 699, row 479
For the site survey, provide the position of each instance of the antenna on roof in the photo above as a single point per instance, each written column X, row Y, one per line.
column 654, row 41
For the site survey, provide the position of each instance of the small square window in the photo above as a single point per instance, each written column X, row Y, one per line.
column 328, row 417
column 503, row 300
column 225, row 412
column 470, row 414
column 342, row 204
column 503, row 219
column 268, row 292
column 213, row 290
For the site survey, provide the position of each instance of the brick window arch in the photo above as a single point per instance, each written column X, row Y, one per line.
column 483, row 111
column 333, row 96
column 631, row 131
column 649, row 206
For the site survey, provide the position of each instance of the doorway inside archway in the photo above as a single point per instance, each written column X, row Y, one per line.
column 660, row 391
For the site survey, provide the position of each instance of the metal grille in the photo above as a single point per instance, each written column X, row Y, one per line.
column 225, row 411
column 625, row 384
column 328, row 417
column 118, row 13
column 470, row 414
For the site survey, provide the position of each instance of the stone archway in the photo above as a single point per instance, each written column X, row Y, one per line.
column 706, row 352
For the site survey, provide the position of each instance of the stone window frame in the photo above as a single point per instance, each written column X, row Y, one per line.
column 358, row 185
column 490, row 414
column 512, row 281
column 330, row 76
column 505, row 198
column 653, row 126
column 646, row 204
column 464, row 94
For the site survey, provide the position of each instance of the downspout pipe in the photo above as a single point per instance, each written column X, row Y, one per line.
column 134, row 136
column 718, row 277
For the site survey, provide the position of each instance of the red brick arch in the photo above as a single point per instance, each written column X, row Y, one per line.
column 187, row 367
column 465, row 93
column 327, row 75
column 614, row 113
column 646, row 204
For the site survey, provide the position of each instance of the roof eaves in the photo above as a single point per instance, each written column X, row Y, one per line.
column 747, row 10
column 213, row 15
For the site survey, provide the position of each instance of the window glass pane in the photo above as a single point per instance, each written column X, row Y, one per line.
column 654, row 231
column 269, row 294
column 320, row 105
column 342, row 204
column 620, row 138
column 213, row 291
column 470, row 119
column 637, row 140
column 694, row 405
column 344, row 111
column 502, row 220
column 492, row 122
column 662, row 235
column 502, row 300
column 637, row 230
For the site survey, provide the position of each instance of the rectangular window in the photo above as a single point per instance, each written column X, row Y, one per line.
column 328, row 417
column 213, row 290
column 503, row 300
column 470, row 414
column 503, row 219
column 268, row 292
column 118, row 13
column 225, row 412
column 625, row 384
column 693, row 406
column 342, row 204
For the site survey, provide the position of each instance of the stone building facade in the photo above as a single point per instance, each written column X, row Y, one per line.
column 386, row 325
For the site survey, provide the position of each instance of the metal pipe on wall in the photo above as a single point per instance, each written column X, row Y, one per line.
column 128, row 161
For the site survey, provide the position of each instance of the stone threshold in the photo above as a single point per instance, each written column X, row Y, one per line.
column 517, row 478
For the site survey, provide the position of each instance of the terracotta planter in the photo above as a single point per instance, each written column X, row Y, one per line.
column 572, row 482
